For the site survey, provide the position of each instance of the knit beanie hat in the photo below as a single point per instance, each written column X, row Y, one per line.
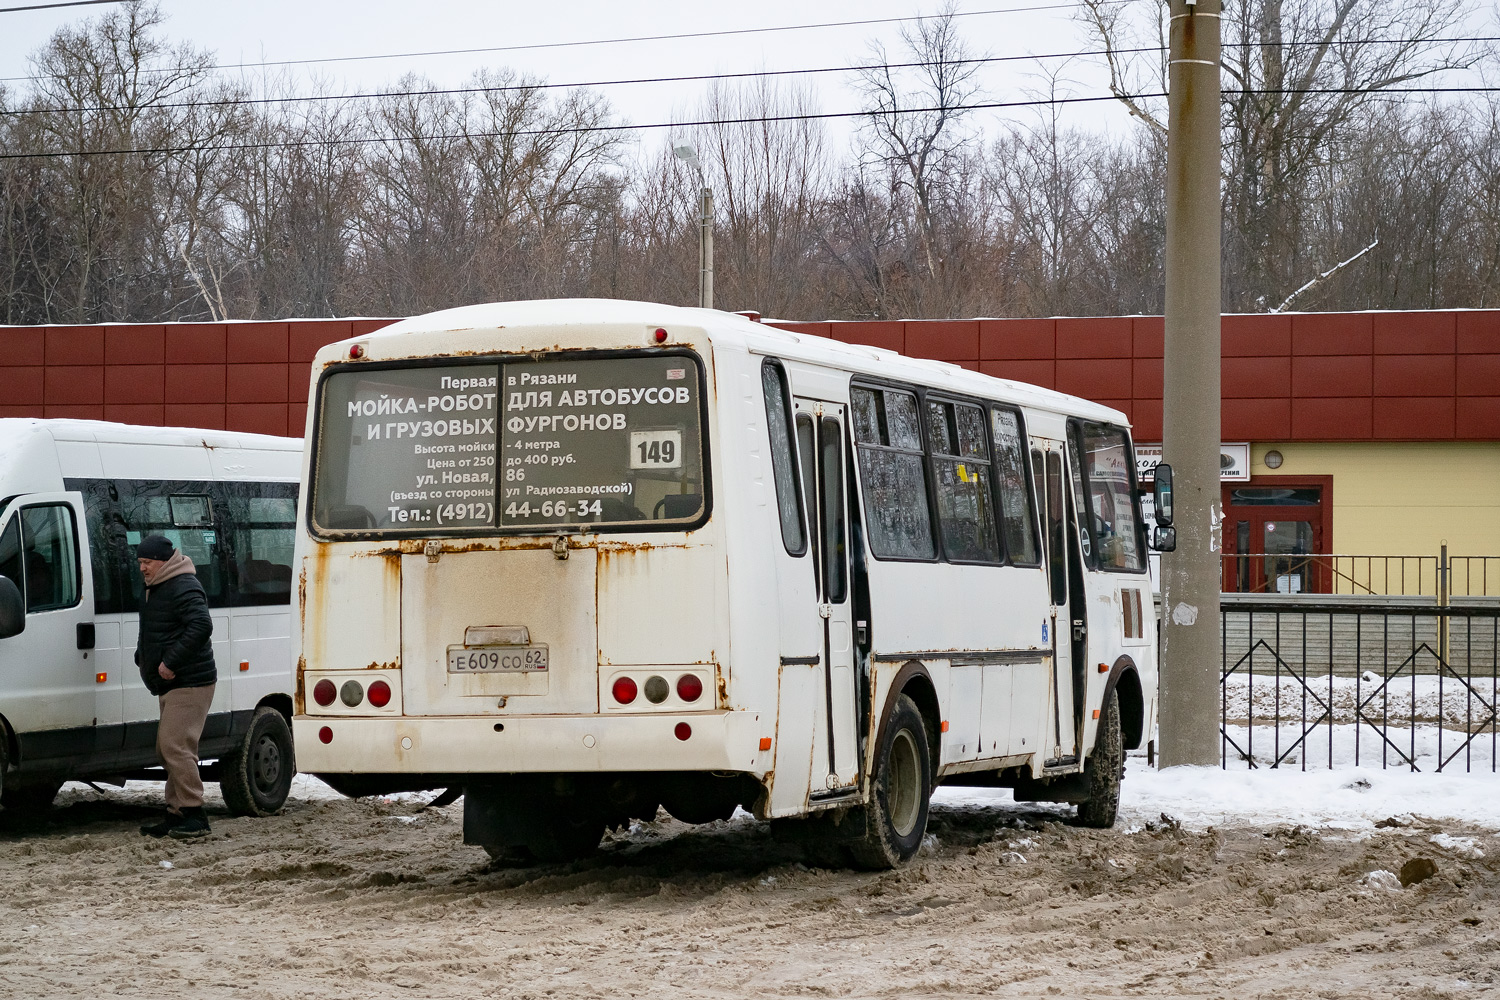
column 157, row 547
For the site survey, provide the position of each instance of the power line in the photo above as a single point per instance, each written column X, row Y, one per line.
column 450, row 91
column 710, row 122
column 49, row 6
column 620, row 41
column 573, row 130
column 696, row 78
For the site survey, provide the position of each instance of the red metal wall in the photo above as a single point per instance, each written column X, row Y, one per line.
column 1432, row 376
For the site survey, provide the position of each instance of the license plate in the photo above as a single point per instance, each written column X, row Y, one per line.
column 496, row 659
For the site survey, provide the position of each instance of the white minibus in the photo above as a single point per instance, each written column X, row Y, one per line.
column 76, row 496
column 584, row 559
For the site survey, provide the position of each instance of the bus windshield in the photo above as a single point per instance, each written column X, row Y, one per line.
column 522, row 446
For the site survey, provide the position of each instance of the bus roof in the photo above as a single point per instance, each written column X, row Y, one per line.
column 104, row 431
column 730, row 329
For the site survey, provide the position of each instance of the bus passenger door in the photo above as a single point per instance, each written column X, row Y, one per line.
column 1068, row 630
column 820, row 446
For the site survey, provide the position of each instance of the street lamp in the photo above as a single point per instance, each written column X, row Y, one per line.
column 688, row 153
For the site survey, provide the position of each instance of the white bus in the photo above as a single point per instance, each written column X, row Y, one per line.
column 587, row 558
column 76, row 496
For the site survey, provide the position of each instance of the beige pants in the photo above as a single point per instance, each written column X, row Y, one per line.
column 183, row 713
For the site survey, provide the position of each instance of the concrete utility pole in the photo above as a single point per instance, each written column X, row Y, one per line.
column 1192, row 576
column 706, row 250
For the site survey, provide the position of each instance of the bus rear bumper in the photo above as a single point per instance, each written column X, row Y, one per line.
column 717, row 741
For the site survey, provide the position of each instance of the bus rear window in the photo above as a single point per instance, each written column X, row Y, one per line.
column 515, row 446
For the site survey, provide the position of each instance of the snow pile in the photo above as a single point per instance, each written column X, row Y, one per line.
column 1352, row 798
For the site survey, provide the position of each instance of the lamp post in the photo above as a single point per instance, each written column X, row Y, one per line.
column 688, row 153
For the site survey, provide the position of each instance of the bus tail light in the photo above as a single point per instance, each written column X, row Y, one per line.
column 683, row 731
column 689, row 687
column 657, row 689
column 324, row 692
column 624, row 690
column 379, row 694
column 352, row 693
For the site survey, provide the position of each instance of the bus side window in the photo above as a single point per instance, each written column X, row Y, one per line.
column 783, row 465
column 960, row 457
column 147, row 506
column 261, row 529
column 1057, row 530
column 1015, row 493
column 888, row 441
column 97, row 511
column 807, row 450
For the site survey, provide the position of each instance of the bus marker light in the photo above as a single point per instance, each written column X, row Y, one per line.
column 352, row 693
column 657, row 689
column 683, row 731
column 325, row 735
column 943, row 726
column 661, row 336
column 765, row 742
column 1104, row 668
column 244, row 665
column 100, row 678
column 624, row 690
column 324, row 692
column 356, row 351
column 379, row 694
column 689, row 687
column 1096, row 713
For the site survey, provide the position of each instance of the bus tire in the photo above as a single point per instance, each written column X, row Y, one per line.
column 559, row 834
column 901, row 780
column 256, row 776
column 1105, row 768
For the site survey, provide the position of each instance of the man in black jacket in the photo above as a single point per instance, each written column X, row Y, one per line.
column 176, row 660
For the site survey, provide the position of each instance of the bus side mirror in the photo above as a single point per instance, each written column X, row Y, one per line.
column 1164, row 539
column 1163, row 496
column 12, row 609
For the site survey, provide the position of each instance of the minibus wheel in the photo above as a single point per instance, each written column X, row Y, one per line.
column 32, row 796
column 1105, row 768
column 896, row 815
column 256, row 776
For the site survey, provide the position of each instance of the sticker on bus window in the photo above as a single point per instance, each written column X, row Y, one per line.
column 656, row 449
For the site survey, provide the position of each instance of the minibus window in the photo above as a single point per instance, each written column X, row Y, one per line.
column 835, row 552
column 555, row 444
column 1109, row 471
column 783, row 466
column 51, row 556
column 807, row 452
column 961, row 472
column 888, row 438
column 1015, row 494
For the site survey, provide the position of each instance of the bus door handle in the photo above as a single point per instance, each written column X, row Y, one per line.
column 1080, row 630
column 825, row 610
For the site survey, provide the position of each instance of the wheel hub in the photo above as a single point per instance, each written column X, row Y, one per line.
column 265, row 762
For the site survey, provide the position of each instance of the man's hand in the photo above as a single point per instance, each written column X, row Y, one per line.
column 166, row 672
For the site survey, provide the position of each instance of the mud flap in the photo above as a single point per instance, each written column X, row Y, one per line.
column 1070, row 788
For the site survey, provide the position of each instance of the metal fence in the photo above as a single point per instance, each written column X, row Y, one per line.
column 1438, row 576
column 1330, row 682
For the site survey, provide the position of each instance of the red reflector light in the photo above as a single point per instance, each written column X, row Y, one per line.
column 324, row 692
column 689, row 687
column 661, row 336
column 624, row 690
column 325, row 735
column 683, row 731
column 356, row 352
column 379, row 694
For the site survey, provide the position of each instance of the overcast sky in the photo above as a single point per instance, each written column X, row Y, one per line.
column 264, row 30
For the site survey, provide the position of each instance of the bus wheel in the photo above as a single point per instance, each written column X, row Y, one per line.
column 560, row 834
column 1105, row 768
column 896, row 816
column 257, row 775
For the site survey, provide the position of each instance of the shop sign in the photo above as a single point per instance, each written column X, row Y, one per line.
column 1234, row 461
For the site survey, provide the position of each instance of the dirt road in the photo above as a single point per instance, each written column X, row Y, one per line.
column 371, row 898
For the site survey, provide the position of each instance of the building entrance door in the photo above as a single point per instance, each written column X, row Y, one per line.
column 1273, row 538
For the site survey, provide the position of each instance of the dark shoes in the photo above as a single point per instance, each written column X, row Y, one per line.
column 194, row 824
column 190, row 824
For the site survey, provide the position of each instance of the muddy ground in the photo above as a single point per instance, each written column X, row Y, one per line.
column 372, row 898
